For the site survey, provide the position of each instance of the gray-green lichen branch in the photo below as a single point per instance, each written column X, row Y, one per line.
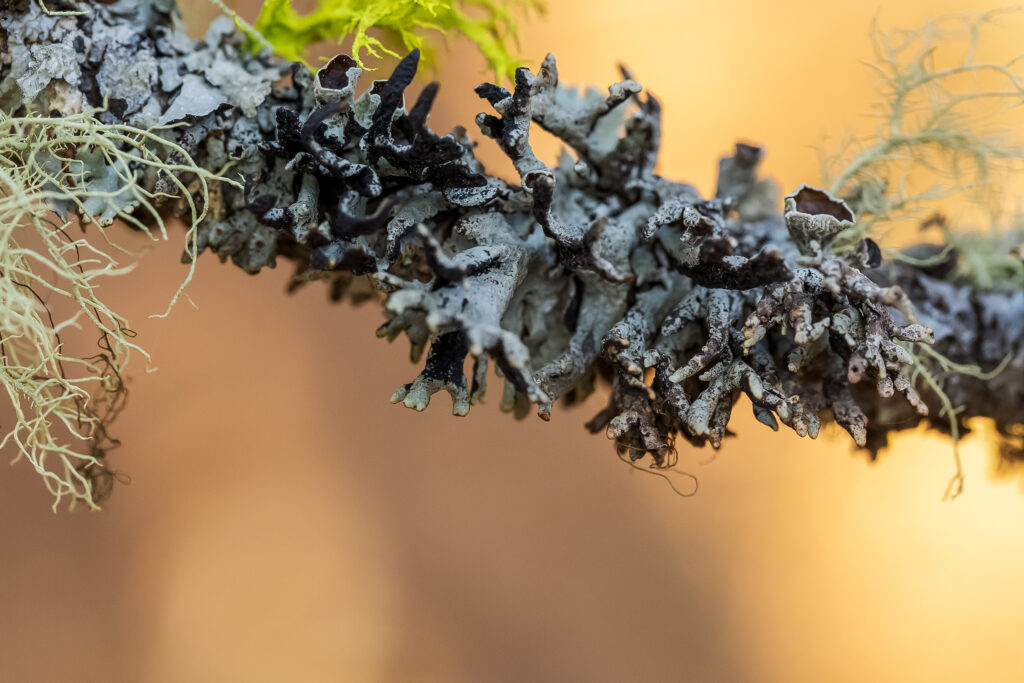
column 594, row 269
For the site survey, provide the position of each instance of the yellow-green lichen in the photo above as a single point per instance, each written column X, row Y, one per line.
column 488, row 23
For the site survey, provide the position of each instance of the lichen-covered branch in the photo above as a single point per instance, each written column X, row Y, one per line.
column 594, row 269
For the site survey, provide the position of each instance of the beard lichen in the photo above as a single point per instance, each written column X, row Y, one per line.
column 943, row 136
column 64, row 397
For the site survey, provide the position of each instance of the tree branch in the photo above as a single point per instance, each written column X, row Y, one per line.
column 596, row 268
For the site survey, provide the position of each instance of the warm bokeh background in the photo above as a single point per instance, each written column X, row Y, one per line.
column 285, row 523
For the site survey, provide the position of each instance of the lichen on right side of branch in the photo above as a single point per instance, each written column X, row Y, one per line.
column 944, row 144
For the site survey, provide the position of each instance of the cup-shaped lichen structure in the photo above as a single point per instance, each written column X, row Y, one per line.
column 814, row 217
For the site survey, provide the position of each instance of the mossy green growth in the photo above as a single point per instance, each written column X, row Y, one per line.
column 488, row 23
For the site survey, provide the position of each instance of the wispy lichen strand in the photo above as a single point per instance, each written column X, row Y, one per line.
column 63, row 351
column 945, row 131
column 63, row 403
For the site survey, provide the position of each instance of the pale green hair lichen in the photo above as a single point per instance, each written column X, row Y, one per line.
column 63, row 400
column 939, row 135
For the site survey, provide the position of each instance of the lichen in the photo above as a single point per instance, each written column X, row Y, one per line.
column 595, row 270
column 90, row 168
column 490, row 24
column 944, row 143
column 944, row 131
column 64, row 402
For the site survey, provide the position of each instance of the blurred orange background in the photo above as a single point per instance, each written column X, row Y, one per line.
column 286, row 523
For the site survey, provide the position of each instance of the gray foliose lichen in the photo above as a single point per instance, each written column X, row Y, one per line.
column 594, row 269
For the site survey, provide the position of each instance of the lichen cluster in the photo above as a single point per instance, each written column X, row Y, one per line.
column 596, row 265
column 591, row 270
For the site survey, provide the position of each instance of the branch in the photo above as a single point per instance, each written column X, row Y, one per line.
column 594, row 269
